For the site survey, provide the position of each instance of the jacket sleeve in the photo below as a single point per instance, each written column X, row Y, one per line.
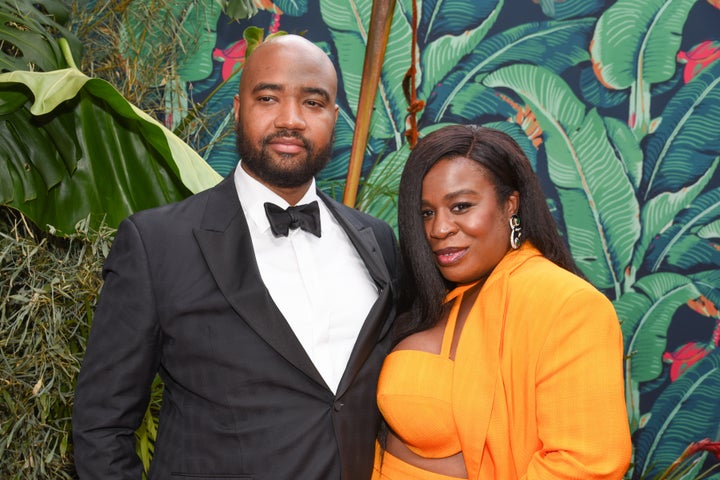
column 581, row 415
column 120, row 362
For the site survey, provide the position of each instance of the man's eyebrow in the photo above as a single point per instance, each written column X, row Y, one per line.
column 267, row 86
column 275, row 87
column 317, row 91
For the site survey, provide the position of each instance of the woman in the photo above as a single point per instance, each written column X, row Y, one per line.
column 509, row 364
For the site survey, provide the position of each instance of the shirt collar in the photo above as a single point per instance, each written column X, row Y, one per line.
column 253, row 195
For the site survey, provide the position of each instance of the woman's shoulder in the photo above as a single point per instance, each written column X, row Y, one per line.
column 551, row 282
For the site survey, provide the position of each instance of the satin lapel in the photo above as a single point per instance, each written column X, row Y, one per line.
column 226, row 245
column 363, row 238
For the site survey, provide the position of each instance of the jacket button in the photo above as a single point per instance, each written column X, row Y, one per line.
column 337, row 406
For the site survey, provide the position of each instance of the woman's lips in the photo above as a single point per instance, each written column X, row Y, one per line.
column 449, row 256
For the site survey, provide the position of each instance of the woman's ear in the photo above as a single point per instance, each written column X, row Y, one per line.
column 513, row 204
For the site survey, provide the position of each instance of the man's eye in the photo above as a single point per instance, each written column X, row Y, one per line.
column 426, row 213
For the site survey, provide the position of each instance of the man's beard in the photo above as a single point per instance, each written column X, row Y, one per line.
column 270, row 170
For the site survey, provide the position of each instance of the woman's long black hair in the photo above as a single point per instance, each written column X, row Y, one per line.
column 424, row 288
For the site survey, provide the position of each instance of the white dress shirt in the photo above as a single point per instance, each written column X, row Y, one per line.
column 321, row 285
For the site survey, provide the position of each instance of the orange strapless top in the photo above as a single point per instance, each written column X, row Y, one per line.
column 415, row 394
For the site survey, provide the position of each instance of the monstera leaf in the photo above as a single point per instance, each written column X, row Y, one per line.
column 75, row 148
column 599, row 204
column 29, row 33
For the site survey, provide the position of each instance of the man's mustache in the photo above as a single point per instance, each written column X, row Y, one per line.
column 288, row 134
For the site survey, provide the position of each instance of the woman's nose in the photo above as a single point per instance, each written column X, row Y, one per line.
column 442, row 226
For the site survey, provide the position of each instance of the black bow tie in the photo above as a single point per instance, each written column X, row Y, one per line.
column 305, row 216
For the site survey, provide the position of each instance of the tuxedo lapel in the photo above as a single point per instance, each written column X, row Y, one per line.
column 364, row 240
column 227, row 248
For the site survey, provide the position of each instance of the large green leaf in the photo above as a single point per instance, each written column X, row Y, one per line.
column 74, row 147
column 599, row 205
column 348, row 23
column 687, row 411
column 685, row 245
column 634, row 46
column 144, row 35
column 449, row 30
column 645, row 315
column 30, row 36
column 688, row 130
column 690, row 123
column 555, row 45
column 570, row 8
column 638, row 40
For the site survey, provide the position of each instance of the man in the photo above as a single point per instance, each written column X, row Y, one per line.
column 269, row 345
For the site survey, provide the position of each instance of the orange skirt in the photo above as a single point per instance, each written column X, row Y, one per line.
column 389, row 467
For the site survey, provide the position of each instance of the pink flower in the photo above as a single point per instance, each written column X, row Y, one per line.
column 232, row 57
column 684, row 357
column 699, row 57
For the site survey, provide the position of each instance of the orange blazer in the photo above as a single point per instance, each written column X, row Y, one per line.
column 538, row 382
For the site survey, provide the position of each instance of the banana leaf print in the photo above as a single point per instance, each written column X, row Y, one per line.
column 645, row 315
column 599, row 206
column 609, row 100
column 688, row 130
column 688, row 410
column 463, row 95
column 690, row 243
column 634, row 47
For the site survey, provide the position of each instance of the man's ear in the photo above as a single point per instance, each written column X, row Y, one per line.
column 236, row 108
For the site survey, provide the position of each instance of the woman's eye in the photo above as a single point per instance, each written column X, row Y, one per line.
column 426, row 213
column 461, row 207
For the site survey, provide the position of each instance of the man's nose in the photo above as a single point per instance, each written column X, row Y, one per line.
column 290, row 117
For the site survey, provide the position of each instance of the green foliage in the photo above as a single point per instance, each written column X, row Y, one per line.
column 74, row 147
column 48, row 288
column 30, row 37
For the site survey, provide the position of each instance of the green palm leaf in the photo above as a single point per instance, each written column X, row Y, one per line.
column 448, row 31
column 689, row 127
column 349, row 23
column 599, row 206
column 555, row 45
column 685, row 245
column 645, row 316
column 634, row 46
column 80, row 149
column 687, row 411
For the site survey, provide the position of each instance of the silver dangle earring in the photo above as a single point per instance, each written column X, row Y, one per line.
column 515, row 232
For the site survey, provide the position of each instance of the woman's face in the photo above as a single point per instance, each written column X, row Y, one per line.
column 465, row 226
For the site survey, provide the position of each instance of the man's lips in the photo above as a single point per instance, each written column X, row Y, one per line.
column 287, row 145
column 449, row 256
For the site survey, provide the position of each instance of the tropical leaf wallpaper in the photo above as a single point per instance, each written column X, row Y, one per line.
column 615, row 102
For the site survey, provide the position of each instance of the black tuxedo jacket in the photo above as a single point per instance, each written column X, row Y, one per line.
column 183, row 297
